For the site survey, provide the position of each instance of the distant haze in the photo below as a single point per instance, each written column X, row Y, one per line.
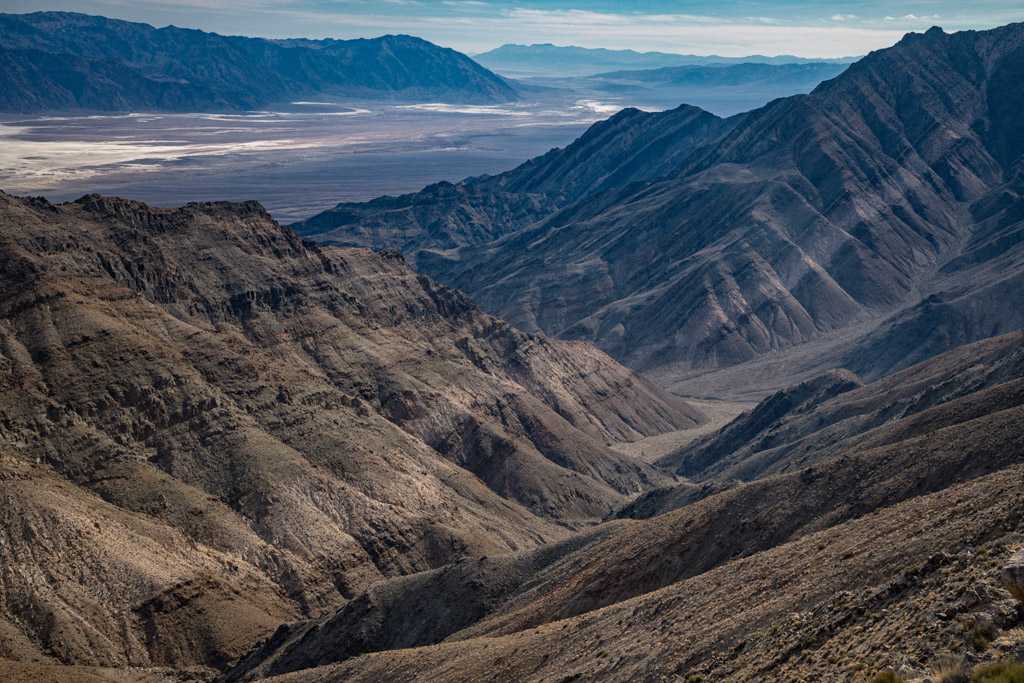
column 818, row 28
column 570, row 60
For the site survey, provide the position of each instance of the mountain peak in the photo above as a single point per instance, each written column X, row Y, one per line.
column 935, row 32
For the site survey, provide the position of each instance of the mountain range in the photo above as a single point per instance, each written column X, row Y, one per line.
column 57, row 61
column 882, row 212
column 724, row 89
column 230, row 454
column 545, row 59
column 233, row 451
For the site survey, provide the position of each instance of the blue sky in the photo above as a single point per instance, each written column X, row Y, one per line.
column 819, row 28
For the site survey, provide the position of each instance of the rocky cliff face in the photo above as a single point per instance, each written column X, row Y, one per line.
column 887, row 197
column 209, row 427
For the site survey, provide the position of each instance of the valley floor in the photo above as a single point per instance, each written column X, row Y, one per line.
column 754, row 380
column 718, row 412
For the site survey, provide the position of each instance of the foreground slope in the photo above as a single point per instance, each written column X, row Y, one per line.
column 956, row 433
column 888, row 199
column 209, row 427
column 887, row 591
column 65, row 61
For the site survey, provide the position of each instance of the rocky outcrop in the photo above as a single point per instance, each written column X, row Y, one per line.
column 1013, row 576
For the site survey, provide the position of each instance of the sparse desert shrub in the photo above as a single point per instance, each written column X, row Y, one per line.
column 1000, row 672
column 887, row 677
column 955, row 676
column 981, row 636
column 950, row 670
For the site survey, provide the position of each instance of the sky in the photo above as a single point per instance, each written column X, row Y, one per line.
column 809, row 28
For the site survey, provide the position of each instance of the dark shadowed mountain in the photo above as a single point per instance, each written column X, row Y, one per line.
column 67, row 61
column 888, row 198
column 209, row 427
column 567, row 60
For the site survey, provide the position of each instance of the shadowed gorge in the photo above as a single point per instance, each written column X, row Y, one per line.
column 960, row 442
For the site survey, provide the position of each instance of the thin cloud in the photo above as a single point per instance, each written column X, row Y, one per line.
column 592, row 18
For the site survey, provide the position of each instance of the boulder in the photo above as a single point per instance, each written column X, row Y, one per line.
column 1013, row 576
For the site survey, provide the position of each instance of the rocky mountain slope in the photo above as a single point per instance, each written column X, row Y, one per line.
column 66, row 61
column 230, row 453
column 209, row 427
column 888, row 200
column 900, row 590
column 632, row 146
column 806, row 422
column 882, row 550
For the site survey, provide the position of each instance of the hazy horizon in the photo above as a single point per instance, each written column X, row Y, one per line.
column 822, row 29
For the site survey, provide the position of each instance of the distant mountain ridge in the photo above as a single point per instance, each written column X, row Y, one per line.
column 810, row 73
column 68, row 61
column 630, row 147
column 723, row 89
column 547, row 59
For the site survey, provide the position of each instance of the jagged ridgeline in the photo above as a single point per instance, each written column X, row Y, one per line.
column 683, row 243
